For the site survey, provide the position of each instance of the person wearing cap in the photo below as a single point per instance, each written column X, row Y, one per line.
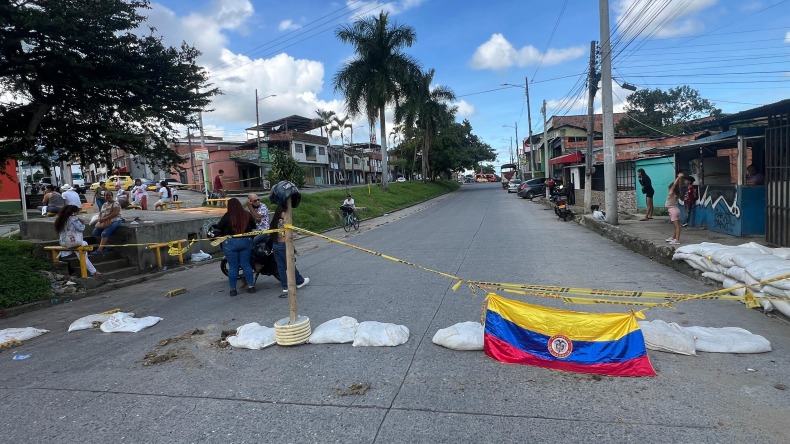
column 70, row 196
column 98, row 195
column 690, row 199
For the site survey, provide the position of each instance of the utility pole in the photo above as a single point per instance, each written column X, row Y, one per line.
column 545, row 149
column 203, row 147
column 191, row 153
column 257, row 122
column 609, row 155
column 529, row 126
column 592, row 87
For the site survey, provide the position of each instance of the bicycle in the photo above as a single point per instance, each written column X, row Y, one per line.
column 350, row 219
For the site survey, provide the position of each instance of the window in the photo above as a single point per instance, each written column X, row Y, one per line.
column 356, row 161
column 310, row 152
column 626, row 176
column 321, row 151
column 299, row 148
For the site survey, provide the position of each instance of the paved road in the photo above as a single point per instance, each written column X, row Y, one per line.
column 92, row 387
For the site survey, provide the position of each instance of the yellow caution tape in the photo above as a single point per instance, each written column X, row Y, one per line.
column 109, row 312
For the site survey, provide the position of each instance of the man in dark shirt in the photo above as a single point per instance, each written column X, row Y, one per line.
column 690, row 199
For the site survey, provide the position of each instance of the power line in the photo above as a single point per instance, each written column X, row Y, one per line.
column 551, row 37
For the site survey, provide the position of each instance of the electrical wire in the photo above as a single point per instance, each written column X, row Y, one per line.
column 551, row 37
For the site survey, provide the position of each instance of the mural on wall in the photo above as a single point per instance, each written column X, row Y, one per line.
column 718, row 208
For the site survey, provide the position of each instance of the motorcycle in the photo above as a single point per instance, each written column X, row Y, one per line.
column 262, row 261
column 559, row 196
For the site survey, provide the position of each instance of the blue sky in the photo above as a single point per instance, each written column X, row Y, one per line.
column 736, row 53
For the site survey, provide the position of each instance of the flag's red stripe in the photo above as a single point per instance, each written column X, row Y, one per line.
column 504, row 352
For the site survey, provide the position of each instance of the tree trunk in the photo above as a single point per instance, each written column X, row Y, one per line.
column 384, row 168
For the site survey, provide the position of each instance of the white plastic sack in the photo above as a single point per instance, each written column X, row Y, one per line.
column 754, row 245
column 726, row 256
column 94, row 219
column 87, row 322
column 252, row 336
column 718, row 277
column 461, row 336
column 336, row 331
column 782, row 306
column 199, row 257
column 123, row 322
column 20, row 334
column 705, row 249
column 667, row 337
column 729, row 282
column 765, row 270
column 728, row 340
column 748, row 260
column 380, row 334
column 782, row 253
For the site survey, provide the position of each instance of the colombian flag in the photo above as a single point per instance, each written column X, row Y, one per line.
column 606, row 344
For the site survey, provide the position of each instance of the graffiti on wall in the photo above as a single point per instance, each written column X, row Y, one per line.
column 720, row 209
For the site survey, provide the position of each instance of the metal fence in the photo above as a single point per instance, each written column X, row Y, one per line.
column 777, row 179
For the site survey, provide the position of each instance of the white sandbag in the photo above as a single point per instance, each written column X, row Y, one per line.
column 766, row 305
column 725, row 256
column 718, row 277
column 124, row 323
column 678, row 256
column 252, row 336
column 704, row 249
column 782, row 307
column 765, row 270
column 667, row 337
column 748, row 260
column 20, row 334
column 782, row 253
column 380, row 334
column 729, row 282
column 702, row 264
column 90, row 321
column 770, row 290
column 728, row 340
column 755, row 246
column 740, row 274
column 199, row 256
column 336, row 331
column 461, row 336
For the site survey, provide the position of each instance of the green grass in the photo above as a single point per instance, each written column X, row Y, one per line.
column 20, row 281
column 321, row 211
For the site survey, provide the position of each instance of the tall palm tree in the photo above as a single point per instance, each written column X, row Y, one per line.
column 427, row 108
column 378, row 73
column 324, row 120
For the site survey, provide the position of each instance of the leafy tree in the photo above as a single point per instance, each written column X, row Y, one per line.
column 80, row 80
column 378, row 73
column 426, row 108
column 285, row 167
column 667, row 111
column 457, row 148
column 324, row 120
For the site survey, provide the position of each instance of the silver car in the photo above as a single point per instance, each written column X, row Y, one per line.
column 512, row 186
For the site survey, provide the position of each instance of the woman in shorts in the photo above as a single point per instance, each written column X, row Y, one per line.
column 672, row 204
column 648, row 191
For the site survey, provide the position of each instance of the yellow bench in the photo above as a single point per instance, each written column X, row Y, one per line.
column 166, row 205
column 134, row 207
column 159, row 246
column 81, row 253
column 218, row 200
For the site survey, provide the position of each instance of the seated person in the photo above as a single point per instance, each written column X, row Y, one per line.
column 753, row 177
column 53, row 202
column 165, row 195
column 122, row 197
column 140, row 194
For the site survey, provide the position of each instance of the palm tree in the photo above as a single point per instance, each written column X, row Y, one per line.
column 427, row 108
column 324, row 120
column 378, row 73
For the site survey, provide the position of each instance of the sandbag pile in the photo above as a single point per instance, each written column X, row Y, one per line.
column 362, row 334
column 743, row 265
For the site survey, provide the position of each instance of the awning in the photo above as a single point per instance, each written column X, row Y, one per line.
column 575, row 157
column 726, row 139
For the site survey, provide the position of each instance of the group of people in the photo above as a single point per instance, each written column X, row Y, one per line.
column 239, row 220
column 690, row 197
column 55, row 200
column 138, row 195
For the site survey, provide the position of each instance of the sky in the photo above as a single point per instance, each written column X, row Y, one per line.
column 735, row 52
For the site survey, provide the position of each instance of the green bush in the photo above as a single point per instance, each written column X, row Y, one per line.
column 20, row 280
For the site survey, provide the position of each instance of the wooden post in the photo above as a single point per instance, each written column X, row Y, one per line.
column 290, row 263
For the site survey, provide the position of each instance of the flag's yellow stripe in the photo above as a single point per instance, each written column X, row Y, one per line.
column 575, row 325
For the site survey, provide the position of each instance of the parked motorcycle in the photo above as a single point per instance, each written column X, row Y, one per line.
column 559, row 196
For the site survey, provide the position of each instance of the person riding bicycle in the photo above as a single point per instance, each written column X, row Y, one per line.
column 349, row 206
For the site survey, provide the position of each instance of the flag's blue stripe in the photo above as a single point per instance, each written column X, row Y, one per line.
column 628, row 347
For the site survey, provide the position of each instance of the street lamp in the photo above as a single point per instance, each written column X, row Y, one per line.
column 529, row 121
column 257, row 123
column 518, row 158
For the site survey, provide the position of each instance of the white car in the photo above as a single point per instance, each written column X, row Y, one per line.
column 400, row 179
column 512, row 186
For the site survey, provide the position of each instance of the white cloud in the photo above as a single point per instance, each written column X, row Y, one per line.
column 499, row 53
column 288, row 25
column 787, row 37
column 465, row 109
column 659, row 20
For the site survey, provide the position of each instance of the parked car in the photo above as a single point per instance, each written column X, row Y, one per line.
column 126, row 183
column 531, row 188
column 401, row 179
column 174, row 183
column 512, row 185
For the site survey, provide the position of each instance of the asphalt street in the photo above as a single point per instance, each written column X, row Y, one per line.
column 90, row 386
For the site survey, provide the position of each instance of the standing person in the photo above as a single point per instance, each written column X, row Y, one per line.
column 98, row 195
column 260, row 213
column 674, row 211
column 219, row 188
column 70, row 229
column 123, row 196
column 175, row 193
column 690, row 199
column 237, row 249
column 53, row 202
column 70, row 196
column 140, row 194
column 165, row 194
column 648, row 191
column 109, row 220
column 279, row 253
